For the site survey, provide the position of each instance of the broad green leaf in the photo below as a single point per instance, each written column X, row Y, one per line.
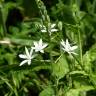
column 72, row 92
column 60, row 68
column 85, row 88
column 47, row 92
column 79, row 91
column 88, row 58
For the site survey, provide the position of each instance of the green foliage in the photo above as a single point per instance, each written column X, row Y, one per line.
column 54, row 72
column 60, row 68
column 47, row 92
column 89, row 58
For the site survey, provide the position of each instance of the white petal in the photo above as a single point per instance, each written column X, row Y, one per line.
column 45, row 45
column 44, row 27
column 26, row 51
column 42, row 51
column 40, row 25
column 74, row 53
column 67, row 44
column 65, row 50
column 22, row 56
column 40, row 42
column 43, row 30
column 36, row 50
column 53, row 25
column 32, row 47
column 23, row 62
column 54, row 30
column 31, row 51
column 29, row 62
column 35, row 44
column 74, row 47
column 62, row 43
column 33, row 56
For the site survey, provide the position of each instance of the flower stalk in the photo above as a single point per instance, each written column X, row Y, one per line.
column 3, row 21
column 80, row 45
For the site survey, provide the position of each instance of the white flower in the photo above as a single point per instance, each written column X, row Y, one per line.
column 68, row 48
column 52, row 29
column 27, row 56
column 39, row 46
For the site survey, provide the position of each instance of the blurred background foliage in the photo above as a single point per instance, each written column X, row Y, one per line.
column 19, row 25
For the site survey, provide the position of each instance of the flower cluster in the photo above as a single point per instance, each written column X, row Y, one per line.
column 28, row 56
column 52, row 28
column 39, row 46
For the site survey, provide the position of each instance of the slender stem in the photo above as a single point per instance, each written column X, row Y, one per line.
column 3, row 21
column 78, row 62
column 49, row 36
column 56, row 86
column 80, row 45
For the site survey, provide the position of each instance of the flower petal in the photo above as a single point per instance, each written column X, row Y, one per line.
column 22, row 56
column 42, row 51
column 29, row 62
column 74, row 47
column 45, row 45
column 31, row 51
column 74, row 53
column 54, row 30
column 53, row 25
column 23, row 62
column 40, row 42
column 26, row 51
column 33, row 56
column 35, row 44
column 67, row 43
column 43, row 30
column 63, row 43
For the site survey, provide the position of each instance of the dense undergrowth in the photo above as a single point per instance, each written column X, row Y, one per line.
column 47, row 47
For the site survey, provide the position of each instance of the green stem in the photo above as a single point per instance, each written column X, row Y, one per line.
column 56, row 89
column 49, row 39
column 80, row 45
column 78, row 62
column 3, row 21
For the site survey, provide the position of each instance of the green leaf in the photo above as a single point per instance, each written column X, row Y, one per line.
column 88, row 58
column 26, row 42
column 79, row 91
column 78, row 72
column 82, row 82
column 47, row 92
column 16, row 67
column 73, row 92
column 60, row 68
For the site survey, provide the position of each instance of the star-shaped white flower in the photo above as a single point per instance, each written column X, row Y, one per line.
column 39, row 46
column 68, row 48
column 52, row 29
column 28, row 56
